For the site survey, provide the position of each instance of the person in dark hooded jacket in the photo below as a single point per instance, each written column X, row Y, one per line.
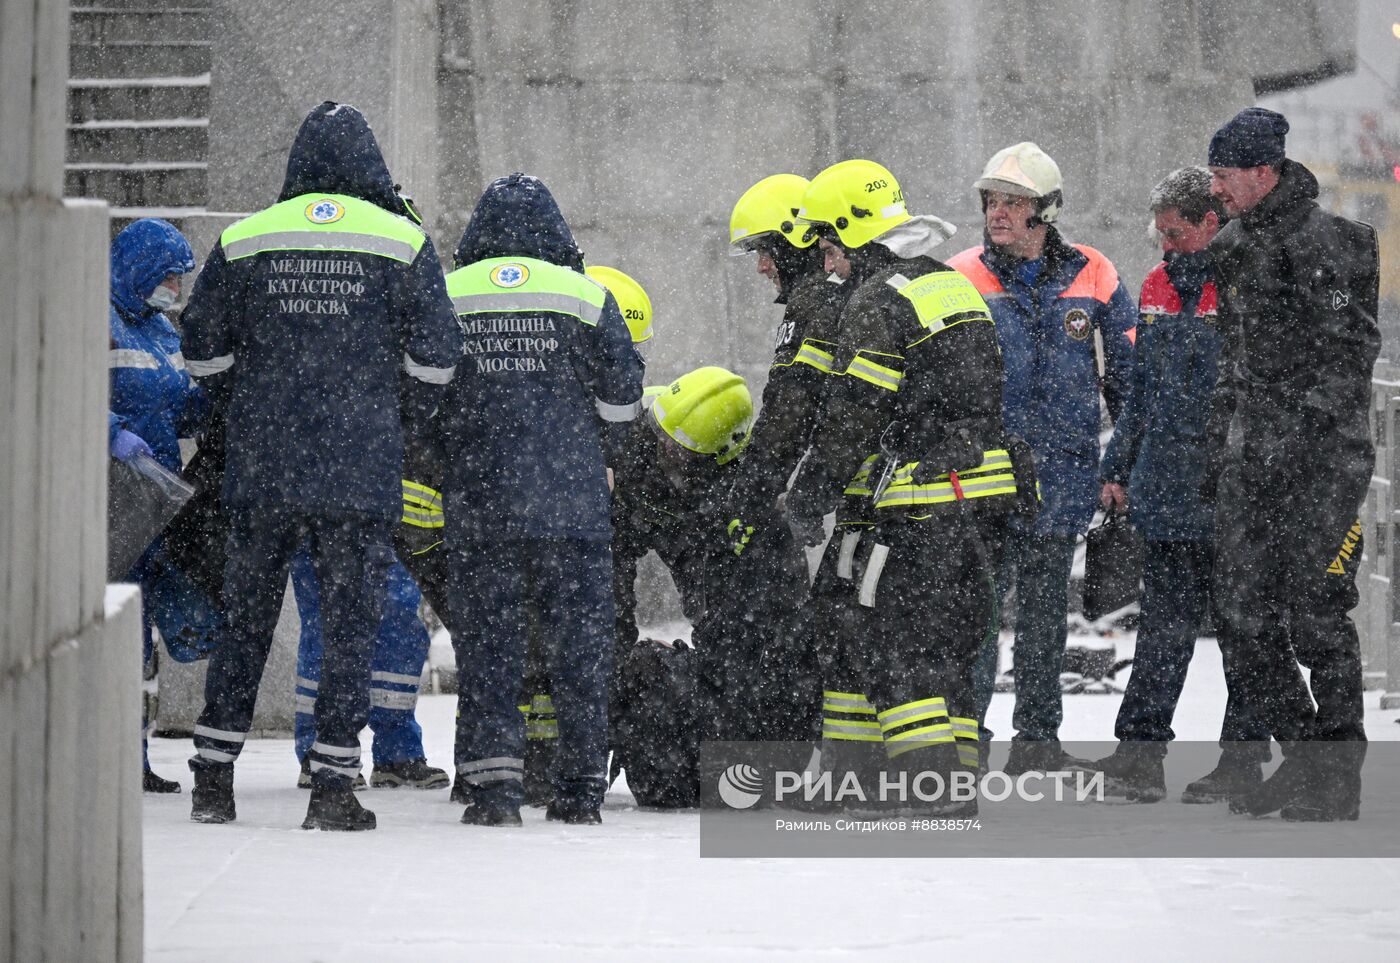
column 1290, row 443
column 153, row 401
column 325, row 323
column 526, row 495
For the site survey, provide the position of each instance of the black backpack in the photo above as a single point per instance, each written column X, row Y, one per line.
column 655, row 726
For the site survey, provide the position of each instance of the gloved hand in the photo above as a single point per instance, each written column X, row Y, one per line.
column 127, row 445
column 739, row 533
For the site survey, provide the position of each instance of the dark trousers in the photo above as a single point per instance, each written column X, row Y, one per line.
column 351, row 557
column 1038, row 566
column 1287, row 548
column 1175, row 598
column 492, row 584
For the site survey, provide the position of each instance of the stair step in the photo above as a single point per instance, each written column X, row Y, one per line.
column 98, row 25
column 139, row 140
column 142, row 184
column 99, row 100
column 131, row 59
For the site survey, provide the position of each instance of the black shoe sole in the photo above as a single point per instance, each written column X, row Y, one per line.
column 1294, row 813
column 338, row 826
column 212, row 818
column 386, row 781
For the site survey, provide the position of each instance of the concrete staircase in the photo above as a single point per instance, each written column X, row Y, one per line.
column 138, row 107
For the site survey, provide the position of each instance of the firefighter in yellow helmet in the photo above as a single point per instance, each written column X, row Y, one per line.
column 764, row 223
column 687, row 449
column 632, row 300
column 915, row 422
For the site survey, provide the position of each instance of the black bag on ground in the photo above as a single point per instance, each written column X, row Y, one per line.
column 142, row 498
column 1112, row 567
column 655, row 731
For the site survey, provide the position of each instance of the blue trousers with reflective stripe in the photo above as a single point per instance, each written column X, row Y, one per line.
column 351, row 556
column 570, row 580
column 400, row 649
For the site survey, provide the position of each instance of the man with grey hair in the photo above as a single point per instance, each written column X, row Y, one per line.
column 1153, row 470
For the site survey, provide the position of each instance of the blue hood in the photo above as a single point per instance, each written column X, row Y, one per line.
column 141, row 256
column 335, row 153
column 518, row 217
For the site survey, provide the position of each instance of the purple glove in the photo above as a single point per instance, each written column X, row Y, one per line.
column 127, row 445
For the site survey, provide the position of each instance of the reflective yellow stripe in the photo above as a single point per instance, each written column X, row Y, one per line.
column 877, row 374
column 858, row 485
column 810, row 354
column 993, row 477
column 851, row 732
column 849, row 707
column 908, row 712
column 423, row 519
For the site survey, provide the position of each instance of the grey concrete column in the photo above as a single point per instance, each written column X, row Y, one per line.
column 70, row 847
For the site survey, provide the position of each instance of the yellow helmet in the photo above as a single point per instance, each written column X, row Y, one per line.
column 631, row 298
column 770, row 207
column 859, row 198
column 707, row 411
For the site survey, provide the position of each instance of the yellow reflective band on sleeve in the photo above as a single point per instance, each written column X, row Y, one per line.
column 860, row 481
column 862, row 366
column 993, row 477
column 810, row 354
column 944, row 298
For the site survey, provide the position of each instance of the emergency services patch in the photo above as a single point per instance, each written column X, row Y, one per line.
column 509, row 275
column 1077, row 324
column 324, row 211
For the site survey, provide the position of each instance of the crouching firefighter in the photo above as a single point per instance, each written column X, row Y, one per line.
column 920, row 335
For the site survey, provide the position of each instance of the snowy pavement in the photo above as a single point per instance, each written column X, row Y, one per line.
column 424, row 888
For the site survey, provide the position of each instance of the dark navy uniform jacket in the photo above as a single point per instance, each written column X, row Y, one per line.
column 325, row 339
column 520, row 427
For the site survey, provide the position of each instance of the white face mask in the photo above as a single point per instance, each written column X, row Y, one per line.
column 163, row 298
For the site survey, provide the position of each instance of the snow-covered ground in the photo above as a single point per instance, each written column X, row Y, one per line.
column 424, row 888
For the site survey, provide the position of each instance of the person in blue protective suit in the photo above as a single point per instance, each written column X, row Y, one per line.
column 153, row 402
column 400, row 649
column 526, row 496
column 1066, row 325
column 326, row 318
column 1153, row 469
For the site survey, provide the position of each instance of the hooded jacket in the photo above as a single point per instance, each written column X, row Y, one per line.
column 151, row 393
column 1051, row 396
column 547, row 352
column 328, row 314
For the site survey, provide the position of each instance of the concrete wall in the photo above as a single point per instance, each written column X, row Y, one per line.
column 649, row 119
column 70, row 662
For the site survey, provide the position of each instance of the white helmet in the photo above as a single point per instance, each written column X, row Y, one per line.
column 1025, row 170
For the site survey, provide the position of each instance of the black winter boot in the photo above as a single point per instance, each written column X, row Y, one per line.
column 1335, row 793
column 475, row 815
column 1234, row 775
column 336, row 810
column 212, row 799
column 1047, row 756
column 1134, row 772
column 1293, row 778
column 414, row 773
column 461, row 794
column 573, row 815
column 150, row 782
